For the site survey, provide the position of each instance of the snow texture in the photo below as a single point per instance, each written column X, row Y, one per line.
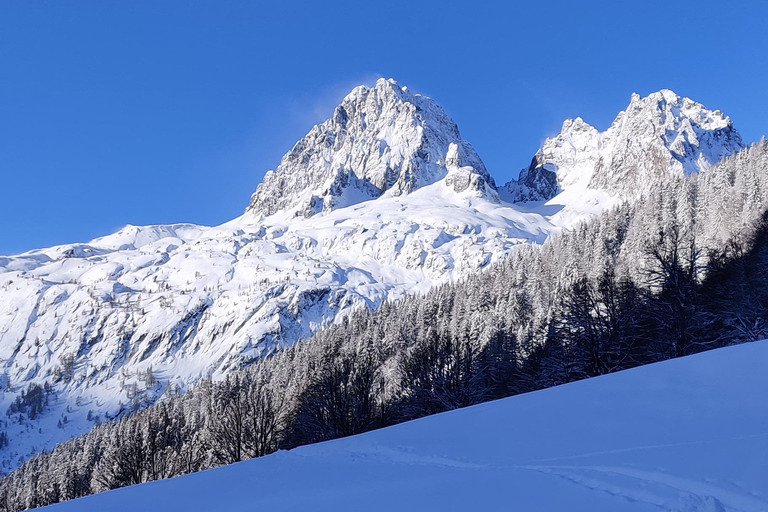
column 685, row 435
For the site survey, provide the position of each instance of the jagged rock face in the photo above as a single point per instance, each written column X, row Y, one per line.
column 561, row 162
column 659, row 134
column 380, row 140
column 662, row 132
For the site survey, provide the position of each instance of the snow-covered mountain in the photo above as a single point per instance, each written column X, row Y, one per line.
column 383, row 199
column 381, row 141
column 663, row 437
column 658, row 134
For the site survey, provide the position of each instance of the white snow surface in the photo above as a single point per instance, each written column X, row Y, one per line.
column 686, row 435
column 381, row 200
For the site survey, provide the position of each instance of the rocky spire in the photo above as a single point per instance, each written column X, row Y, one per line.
column 380, row 140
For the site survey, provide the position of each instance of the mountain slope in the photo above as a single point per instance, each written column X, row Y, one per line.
column 116, row 323
column 665, row 436
column 381, row 200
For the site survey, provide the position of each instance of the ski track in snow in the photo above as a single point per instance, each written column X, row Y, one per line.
column 653, row 486
column 648, row 447
column 668, row 491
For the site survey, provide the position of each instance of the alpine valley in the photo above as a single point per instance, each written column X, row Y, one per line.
column 381, row 201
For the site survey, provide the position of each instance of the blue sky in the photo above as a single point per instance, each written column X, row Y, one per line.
column 155, row 112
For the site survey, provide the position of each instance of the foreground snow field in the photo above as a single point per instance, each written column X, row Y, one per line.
column 684, row 435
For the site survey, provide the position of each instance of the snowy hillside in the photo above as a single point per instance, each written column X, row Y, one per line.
column 186, row 301
column 686, row 435
column 381, row 200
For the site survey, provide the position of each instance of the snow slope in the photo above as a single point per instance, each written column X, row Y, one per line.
column 686, row 435
column 383, row 199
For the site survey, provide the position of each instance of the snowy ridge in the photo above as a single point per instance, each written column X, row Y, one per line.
column 381, row 200
column 662, row 133
column 666, row 436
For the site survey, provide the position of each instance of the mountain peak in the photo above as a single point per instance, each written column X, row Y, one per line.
column 576, row 125
column 577, row 144
column 661, row 133
column 665, row 104
column 380, row 140
column 667, row 95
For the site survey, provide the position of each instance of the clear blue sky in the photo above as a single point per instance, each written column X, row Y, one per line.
column 154, row 112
